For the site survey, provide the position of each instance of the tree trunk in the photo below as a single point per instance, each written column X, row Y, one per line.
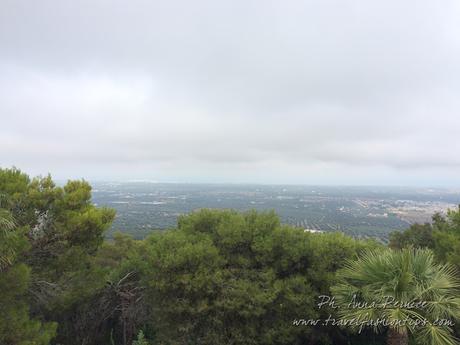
column 396, row 338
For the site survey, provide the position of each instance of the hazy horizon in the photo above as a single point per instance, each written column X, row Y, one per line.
column 451, row 188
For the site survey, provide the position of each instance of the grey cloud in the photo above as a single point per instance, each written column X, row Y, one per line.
column 241, row 91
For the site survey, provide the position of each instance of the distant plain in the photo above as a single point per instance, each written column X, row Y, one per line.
column 362, row 212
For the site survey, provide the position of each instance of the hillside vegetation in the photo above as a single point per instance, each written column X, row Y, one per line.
column 218, row 277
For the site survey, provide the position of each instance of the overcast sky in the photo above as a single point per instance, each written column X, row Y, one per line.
column 308, row 92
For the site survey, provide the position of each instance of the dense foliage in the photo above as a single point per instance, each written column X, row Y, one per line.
column 218, row 277
column 442, row 236
column 406, row 285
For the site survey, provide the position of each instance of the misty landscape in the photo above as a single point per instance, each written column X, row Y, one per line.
column 243, row 172
column 362, row 212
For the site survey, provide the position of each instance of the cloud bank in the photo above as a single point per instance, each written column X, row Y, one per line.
column 335, row 92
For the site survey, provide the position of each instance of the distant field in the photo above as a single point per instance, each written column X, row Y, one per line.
column 362, row 212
